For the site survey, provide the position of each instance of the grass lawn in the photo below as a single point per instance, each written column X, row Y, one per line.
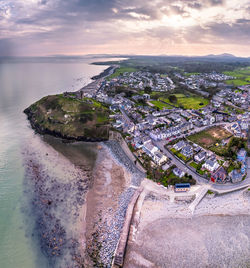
column 230, row 168
column 161, row 105
column 194, row 165
column 183, row 157
column 189, row 74
column 202, row 172
column 242, row 76
column 173, row 150
column 122, row 70
column 188, row 102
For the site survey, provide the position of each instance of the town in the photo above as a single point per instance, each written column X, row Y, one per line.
column 179, row 136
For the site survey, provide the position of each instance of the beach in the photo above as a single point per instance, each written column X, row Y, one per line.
column 78, row 195
column 166, row 234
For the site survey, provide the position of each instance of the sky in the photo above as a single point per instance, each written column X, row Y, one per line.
column 155, row 27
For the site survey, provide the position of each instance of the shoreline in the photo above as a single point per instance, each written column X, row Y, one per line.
column 109, row 196
column 109, row 189
column 220, row 220
column 56, row 189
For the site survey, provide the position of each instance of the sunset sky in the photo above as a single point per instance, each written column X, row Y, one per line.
column 190, row 27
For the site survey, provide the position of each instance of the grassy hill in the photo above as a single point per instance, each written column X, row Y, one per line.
column 69, row 118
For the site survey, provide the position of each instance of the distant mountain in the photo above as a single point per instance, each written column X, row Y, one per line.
column 224, row 55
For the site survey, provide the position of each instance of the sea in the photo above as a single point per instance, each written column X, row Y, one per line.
column 22, row 82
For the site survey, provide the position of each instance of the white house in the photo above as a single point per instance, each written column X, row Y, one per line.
column 159, row 158
column 179, row 145
column 178, row 172
column 200, row 156
column 211, row 165
column 149, row 149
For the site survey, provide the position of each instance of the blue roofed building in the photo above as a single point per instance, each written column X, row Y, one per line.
column 241, row 156
column 182, row 187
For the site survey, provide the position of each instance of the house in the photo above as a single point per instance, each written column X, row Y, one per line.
column 219, row 175
column 159, row 158
column 146, row 96
column 200, row 156
column 165, row 167
column 179, row 145
column 187, row 151
column 235, row 176
column 149, row 149
column 178, row 172
column 182, row 187
column 241, row 155
column 211, row 165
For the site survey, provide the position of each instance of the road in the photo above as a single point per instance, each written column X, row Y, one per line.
column 178, row 163
column 223, row 188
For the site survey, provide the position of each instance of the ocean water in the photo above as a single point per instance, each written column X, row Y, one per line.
column 22, row 83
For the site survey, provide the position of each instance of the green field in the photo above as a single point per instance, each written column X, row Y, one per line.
column 161, row 105
column 188, row 102
column 242, row 76
column 194, row 165
column 189, row 74
column 122, row 70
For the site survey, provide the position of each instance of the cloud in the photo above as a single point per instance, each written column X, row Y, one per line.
column 46, row 26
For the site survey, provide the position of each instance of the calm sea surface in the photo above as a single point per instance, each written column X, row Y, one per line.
column 22, row 83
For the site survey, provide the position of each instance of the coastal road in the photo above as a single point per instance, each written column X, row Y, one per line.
column 219, row 188
column 178, row 163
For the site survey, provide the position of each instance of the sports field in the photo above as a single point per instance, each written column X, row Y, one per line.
column 188, row 102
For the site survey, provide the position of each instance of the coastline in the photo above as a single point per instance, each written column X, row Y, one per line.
column 217, row 222
column 109, row 189
column 64, row 191
column 114, row 184
column 56, row 188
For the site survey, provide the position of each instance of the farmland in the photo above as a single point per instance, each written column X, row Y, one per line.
column 242, row 76
column 122, row 70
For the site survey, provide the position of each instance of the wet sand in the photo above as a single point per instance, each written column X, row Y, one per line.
column 109, row 182
column 56, row 189
column 78, row 195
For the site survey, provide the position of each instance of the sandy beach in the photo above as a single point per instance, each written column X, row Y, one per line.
column 82, row 190
column 79, row 194
column 166, row 234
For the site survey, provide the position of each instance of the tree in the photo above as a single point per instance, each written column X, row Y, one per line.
column 148, row 89
column 172, row 98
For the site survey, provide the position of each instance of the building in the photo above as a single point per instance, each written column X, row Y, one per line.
column 200, row 157
column 219, row 175
column 211, row 165
column 235, row 176
column 179, row 145
column 149, row 149
column 241, row 156
column 187, row 151
column 182, row 187
column 178, row 172
column 159, row 158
